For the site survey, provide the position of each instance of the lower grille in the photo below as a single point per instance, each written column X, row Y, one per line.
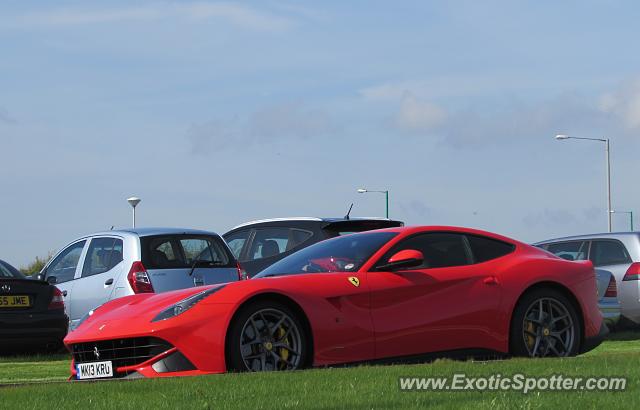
column 121, row 352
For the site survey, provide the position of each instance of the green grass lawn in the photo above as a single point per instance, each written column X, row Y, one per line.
column 354, row 387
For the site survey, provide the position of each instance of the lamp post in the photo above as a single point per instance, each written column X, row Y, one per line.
column 630, row 217
column 134, row 201
column 386, row 195
column 608, row 158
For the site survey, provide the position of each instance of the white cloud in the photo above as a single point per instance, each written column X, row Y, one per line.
column 418, row 115
column 270, row 124
column 6, row 117
column 289, row 121
column 624, row 103
column 237, row 14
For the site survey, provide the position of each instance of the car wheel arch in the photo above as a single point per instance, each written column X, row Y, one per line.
column 284, row 300
column 550, row 285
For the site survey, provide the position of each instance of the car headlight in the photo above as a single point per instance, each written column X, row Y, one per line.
column 185, row 304
column 86, row 316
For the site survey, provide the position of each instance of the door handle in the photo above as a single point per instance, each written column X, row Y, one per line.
column 490, row 280
column 108, row 282
column 64, row 293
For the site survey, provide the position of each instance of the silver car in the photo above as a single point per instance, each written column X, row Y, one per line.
column 103, row 266
column 618, row 253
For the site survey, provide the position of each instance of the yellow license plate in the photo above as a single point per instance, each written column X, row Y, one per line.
column 14, row 301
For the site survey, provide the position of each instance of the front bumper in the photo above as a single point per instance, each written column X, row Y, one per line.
column 592, row 342
column 194, row 342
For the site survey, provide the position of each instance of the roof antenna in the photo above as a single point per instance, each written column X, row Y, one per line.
column 348, row 212
column 111, row 228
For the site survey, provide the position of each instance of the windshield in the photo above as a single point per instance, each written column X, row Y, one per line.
column 341, row 254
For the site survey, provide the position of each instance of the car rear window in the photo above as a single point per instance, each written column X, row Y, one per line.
column 181, row 251
column 8, row 271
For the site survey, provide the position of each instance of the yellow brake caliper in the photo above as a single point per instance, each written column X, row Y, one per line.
column 530, row 339
column 284, row 353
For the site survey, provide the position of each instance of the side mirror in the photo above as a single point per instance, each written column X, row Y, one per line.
column 52, row 280
column 407, row 258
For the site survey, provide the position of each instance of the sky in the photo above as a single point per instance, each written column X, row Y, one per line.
column 216, row 113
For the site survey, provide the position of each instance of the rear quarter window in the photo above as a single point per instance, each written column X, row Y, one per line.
column 485, row 249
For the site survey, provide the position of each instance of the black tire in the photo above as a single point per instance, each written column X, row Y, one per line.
column 540, row 336
column 296, row 354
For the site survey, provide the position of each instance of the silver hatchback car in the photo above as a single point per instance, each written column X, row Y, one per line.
column 103, row 266
column 618, row 253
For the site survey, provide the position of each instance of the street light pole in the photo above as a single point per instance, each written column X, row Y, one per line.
column 386, row 195
column 609, row 183
column 608, row 159
column 134, row 201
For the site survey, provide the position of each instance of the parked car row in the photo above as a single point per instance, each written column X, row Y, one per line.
column 117, row 265
column 389, row 294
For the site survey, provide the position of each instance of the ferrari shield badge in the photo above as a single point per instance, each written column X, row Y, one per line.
column 354, row 281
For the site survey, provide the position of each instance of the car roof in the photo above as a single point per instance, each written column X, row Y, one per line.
column 445, row 228
column 308, row 219
column 152, row 231
column 605, row 235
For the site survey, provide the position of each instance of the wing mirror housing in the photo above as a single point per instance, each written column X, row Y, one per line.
column 407, row 258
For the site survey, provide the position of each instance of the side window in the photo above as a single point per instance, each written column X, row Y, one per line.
column 484, row 249
column 236, row 241
column 440, row 250
column 102, row 256
column 64, row 265
column 571, row 251
column 605, row 253
column 268, row 242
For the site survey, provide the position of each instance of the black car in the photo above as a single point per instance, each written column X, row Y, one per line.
column 31, row 313
column 259, row 244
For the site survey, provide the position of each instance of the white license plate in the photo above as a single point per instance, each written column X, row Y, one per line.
column 95, row 370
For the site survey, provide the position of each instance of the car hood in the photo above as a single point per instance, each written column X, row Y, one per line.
column 141, row 308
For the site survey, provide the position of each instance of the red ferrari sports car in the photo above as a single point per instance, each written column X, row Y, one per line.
column 394, row 294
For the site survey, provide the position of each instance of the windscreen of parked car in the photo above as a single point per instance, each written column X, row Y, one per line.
column 182, row 251
column 8, row 271
column 341, row 254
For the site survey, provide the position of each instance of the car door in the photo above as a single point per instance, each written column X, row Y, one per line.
column 63, row 269
column 101, row 268
column 449, row 302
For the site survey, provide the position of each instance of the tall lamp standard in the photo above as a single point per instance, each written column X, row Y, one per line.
column 134, row 201
column 630, row 217
column 607, row 152
column 386, row 195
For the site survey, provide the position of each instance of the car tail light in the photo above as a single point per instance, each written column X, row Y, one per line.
column 57, row 301
column 242, row 274
column 633, row 273
column 139, row 278
column 612, row 289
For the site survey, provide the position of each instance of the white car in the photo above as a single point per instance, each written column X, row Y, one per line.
column 103, row 266
column 618, row 253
